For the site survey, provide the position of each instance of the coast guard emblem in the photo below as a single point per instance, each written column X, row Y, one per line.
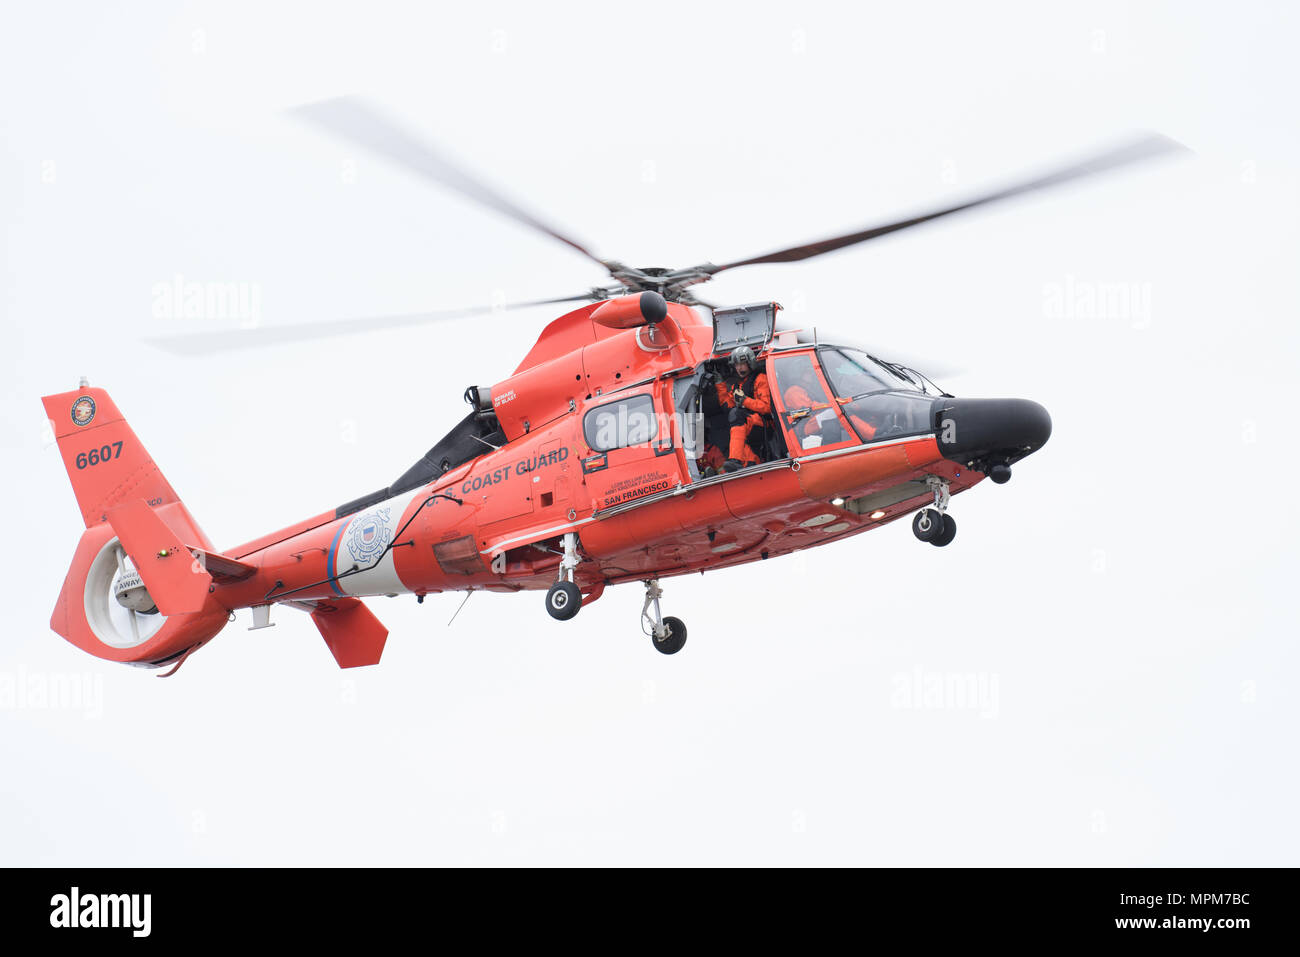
column 369, row 536
column 83, row 410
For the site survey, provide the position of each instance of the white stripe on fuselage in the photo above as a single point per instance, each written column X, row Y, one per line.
column 366, row 542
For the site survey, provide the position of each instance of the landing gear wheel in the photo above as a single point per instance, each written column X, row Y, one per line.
column 563, row 600
column 948, row 534
column 928, row 525
column 672, row 642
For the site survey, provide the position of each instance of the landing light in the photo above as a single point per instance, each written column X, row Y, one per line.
column 837, row 502
column 877, row 514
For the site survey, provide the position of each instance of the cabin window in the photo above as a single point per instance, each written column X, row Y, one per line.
column 619, row 425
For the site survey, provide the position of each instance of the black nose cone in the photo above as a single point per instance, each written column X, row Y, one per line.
column 983, row 432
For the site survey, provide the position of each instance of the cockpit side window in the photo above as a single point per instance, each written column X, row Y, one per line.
column 799, row 384
column 810, row 417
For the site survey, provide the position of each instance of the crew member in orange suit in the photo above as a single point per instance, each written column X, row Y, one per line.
column 745, row 394
column 865, row 428
column 798, row 396
column 801, row 405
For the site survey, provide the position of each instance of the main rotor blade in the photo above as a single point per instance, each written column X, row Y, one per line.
column 352, row 119
column 1145, row 147
column 222, row 340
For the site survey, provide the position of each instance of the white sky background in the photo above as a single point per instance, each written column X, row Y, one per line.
column 1126, row 601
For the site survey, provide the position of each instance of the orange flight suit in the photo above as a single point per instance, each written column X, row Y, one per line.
column 712, row 458
column 797, row 397
column 757, row 401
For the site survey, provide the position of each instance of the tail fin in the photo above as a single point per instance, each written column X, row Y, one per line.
column 105, row 461
column 134, row 593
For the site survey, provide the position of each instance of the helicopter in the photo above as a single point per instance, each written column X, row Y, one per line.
column 610, row 455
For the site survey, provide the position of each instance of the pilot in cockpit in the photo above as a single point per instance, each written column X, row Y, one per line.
column 805, row 403
column 811, row 416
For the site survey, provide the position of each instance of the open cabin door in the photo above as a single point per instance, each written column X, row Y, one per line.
column 750, row 325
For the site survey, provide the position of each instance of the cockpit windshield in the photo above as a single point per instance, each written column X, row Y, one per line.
column 882, row 401
column 853, row 373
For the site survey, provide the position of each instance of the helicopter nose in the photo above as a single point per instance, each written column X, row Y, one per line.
column 988, row 433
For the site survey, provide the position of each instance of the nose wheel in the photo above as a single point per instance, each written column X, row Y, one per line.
column 935, row 527
column 667, row 634
column 948, row 533
column 933, row 524
column 927, row 524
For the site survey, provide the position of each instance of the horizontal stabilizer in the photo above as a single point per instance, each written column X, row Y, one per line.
column 354, row 635
column 221, row 567
column 177, row 582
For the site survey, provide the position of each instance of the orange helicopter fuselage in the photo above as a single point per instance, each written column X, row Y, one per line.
column 639, row 512
column 550, row 498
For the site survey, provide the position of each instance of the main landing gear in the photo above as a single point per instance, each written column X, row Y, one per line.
column 667, row 634
column 933, row 524
column 563, row 599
